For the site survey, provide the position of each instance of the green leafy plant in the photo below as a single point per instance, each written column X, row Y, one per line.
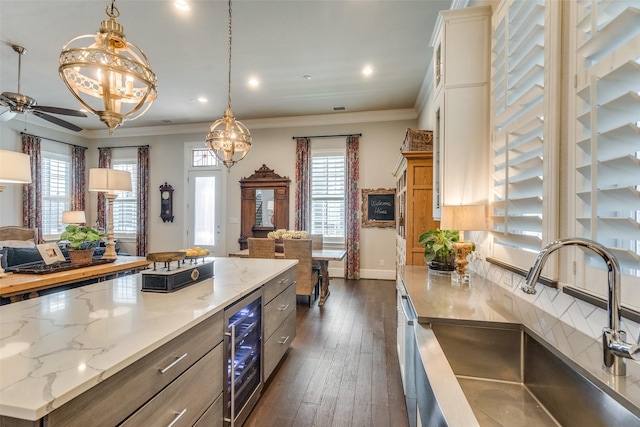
column 438, row 244
column 81, row 237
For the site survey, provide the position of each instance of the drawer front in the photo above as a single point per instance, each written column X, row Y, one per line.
column 277, row 345
column 105, row 405
column 184, row 401
column 214, row 417
column 279, row 309
column 278, row 284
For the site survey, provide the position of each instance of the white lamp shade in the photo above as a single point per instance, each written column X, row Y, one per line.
column 15, row 167
column 73, row 217
column 464, row 218
column 109, row 180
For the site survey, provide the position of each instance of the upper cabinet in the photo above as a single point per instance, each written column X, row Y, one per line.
column 461, row 134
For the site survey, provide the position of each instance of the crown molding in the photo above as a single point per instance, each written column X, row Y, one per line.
column 273, row 123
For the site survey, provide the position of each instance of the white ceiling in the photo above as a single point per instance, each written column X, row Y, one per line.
column 276, row 41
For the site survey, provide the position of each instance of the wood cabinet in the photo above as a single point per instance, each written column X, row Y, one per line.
column 414, row 189
column 279, row 319
column 264, row 204
column 160, row 380
column 461, row 132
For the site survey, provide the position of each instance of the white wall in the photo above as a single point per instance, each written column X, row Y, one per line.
column 379, row 149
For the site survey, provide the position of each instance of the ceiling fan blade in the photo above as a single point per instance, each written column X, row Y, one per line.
column 6, row 101
column 58, row 110
column 56, row 121
column 6, row 115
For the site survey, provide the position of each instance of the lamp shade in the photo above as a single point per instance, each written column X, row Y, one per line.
column 73, row 217
column 463, row 217
column 15, row 167
column 109, row 180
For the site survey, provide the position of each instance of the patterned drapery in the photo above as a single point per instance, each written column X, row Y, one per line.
column 32, row 193
column 352, row 209
column 142, row 235
column 104, row 161
column 78, row 178
column 303, row 183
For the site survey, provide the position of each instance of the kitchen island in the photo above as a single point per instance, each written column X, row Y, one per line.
column 58, row 347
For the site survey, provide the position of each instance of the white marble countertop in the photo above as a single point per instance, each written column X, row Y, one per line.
column 437, row 300
column 55, row 347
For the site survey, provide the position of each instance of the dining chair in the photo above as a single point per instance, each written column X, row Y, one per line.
column 261, row 247
column 317, row 243
column 306, row 277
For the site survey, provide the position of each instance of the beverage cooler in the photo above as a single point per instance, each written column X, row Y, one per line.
column 243, row 348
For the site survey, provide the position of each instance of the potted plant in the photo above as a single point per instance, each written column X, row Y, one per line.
column 438, row 248
column 82, row 240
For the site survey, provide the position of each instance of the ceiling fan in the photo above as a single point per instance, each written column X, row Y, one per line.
column 19, row 103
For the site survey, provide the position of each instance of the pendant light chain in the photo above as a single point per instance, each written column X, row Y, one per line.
column 229, row 76
column 228, row 139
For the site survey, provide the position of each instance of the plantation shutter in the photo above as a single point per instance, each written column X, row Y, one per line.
column 608, row 136
column 521, row 216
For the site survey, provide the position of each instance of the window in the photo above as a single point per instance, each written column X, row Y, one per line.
column 328, row 174
column 523, row 215
column 56, row 192
column 607, row 137
column 202, row 157
column 125, row 206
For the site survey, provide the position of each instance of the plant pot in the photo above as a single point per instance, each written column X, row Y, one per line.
column 81, row 256
column 443, row 265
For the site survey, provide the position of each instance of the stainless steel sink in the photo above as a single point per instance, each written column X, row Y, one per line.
column 510, row 378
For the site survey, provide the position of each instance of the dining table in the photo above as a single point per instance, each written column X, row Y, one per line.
column 323, row 256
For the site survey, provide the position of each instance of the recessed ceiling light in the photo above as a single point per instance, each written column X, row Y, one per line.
column 202, row 99
column 253, row 82
column 182, row 5
column 367, row 71
column 306, row 77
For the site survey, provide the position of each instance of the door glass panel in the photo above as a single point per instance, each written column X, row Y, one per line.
column 204, row 211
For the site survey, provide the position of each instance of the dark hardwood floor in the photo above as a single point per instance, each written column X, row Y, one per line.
column 342, row 367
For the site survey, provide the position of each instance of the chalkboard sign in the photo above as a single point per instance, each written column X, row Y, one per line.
column 378, row 208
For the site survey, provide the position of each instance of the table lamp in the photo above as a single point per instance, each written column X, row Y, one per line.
column 74, row 217
column 108, row 181
column 463, row 218
column 15, row 168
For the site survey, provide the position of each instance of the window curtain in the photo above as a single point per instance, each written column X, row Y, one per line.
column 142, row 237
column 303, row 183
column 32, row 193
column 78, row 178
column 352, row 209
column 104, row 161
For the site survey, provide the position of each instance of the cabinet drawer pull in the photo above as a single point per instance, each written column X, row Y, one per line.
column 283, row 280
column 172, row 364
column 284, row 340
column 283, row 307
column 177, row 417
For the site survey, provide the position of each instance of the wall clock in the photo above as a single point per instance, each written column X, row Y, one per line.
column 166, row 202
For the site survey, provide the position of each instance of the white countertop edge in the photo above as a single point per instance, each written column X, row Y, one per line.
column 35, row 410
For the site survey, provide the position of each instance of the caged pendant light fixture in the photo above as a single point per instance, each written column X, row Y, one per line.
column 228, row 138
column 111, row 77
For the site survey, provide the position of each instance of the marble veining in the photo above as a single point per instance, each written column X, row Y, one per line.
column 55, row 347
column 436, row 299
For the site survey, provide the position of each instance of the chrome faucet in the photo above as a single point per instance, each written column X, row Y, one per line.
column 614, row 347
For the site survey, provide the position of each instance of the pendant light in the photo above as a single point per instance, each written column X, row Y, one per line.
column 228, row 138
column 111, row 77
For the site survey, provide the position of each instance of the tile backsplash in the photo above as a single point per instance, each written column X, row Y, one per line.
column 567, row 309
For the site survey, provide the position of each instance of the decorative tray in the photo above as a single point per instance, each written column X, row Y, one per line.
column 166, row 258
column 42, row 268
